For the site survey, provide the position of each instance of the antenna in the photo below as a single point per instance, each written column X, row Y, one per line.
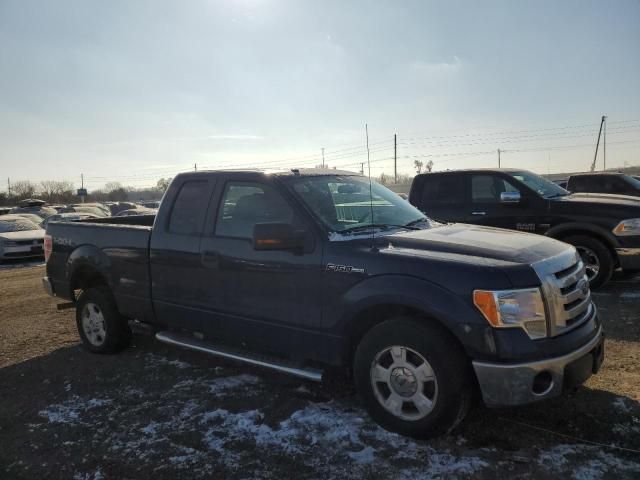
column 373, row 246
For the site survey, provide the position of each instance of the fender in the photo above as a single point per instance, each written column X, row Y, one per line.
column 575, row 227
column 447, row 308
column 88, row 256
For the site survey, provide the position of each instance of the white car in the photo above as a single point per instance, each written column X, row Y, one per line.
column 20, row 238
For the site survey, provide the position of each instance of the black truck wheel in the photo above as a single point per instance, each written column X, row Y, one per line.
column 596, row 257
column 101, row 327
column 413, row 378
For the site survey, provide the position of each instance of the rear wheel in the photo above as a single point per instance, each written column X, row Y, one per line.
column 596, row 257
column 101, row 327
column 413, row 378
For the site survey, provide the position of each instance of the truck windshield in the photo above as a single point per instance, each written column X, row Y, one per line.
column 635, row 181
column 544, row 187
column 343, row 203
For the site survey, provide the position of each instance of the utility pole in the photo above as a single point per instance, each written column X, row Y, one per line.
column 195, row 167
column 604, row 145
column 361, row 168
column 498, row 158
column 395, row 158
column 82, row 186
column 322, row 157
column 593, row 165
column 9, row 186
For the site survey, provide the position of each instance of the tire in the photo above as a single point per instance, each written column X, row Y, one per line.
column 101, row 327
column 595, row 255
column 450, row 392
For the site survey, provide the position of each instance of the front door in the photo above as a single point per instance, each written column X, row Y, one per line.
column 267, row 300
column 487, row 208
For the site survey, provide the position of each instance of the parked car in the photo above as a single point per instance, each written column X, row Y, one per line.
column 604, row 228
column 151, row 204
column 33, row 217
column 20, row 238
column 136, row 211
column 40, row 210
column 5, row 210
column 295, row 272
column 614, row 183
column 91, row 210
column 68, row 217
column 116, row 208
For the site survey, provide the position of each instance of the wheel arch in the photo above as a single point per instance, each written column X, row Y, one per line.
column 563, row 231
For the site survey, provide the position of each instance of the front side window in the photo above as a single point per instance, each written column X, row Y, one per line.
column 188, row 212
column 489, row 188
column 245, row 204
column 345, row 203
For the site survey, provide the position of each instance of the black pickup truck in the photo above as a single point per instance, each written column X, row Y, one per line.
column 604, row 228
column 308, row 272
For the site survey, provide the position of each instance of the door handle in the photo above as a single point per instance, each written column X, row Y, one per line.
column 478, row 213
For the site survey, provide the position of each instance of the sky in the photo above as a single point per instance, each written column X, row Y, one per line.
column 131, row 91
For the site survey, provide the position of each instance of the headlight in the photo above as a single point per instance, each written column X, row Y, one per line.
column 631, row 226
column 514, row 309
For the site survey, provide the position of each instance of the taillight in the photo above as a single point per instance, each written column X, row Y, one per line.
column 48, row 247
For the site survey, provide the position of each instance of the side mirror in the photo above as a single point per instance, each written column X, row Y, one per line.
column 277, row 236
column 510, row 197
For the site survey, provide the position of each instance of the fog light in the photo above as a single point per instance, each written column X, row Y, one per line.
column 542, row 383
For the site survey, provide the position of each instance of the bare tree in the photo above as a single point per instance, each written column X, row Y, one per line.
column 23, row 189
column 163, row 184
column 56, row 190
column 429, row 166
column 418, row 166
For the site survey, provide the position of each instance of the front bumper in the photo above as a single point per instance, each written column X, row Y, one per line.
column 517, row 384
column 629, row 258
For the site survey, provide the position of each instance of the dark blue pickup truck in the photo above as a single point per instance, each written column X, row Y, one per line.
column 314, row 271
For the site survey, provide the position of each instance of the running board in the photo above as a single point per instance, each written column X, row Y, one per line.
column 187, row 341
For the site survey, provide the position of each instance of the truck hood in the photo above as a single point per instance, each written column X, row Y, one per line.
column 23, row 235
column 600, row 199
column 478, row 242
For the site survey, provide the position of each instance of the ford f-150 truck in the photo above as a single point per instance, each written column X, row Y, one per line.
column 315, row 271
column 605, row 229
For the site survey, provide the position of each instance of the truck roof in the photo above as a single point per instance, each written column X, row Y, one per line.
column 478, row 170
column 584, row 174
column 298, row 172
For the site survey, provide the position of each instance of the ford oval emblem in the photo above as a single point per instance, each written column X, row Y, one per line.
column 583, row 286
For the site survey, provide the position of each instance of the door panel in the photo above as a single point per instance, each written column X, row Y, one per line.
column 175, row 254
column 262, row 299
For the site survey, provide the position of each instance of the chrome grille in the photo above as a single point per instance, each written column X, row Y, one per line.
column 566, row 291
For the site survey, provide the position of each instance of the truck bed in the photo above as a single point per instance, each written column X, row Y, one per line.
column 117, row 246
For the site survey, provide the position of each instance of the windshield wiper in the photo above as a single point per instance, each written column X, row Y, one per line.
column 378, row 225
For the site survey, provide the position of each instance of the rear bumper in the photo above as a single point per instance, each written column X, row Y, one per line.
column 517, row 384
column 48, row 286
column 629, row 258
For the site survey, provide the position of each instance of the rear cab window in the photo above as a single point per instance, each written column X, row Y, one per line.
column 188, row 213
column 443, row 190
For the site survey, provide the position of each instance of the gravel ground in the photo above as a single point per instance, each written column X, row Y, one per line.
column 159, row 412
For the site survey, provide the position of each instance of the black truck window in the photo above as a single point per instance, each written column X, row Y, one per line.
column 487, row 188
column 443, row 190
column 187, row 215
column 245, row 204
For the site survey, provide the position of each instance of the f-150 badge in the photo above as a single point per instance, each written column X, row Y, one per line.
column 331, row 267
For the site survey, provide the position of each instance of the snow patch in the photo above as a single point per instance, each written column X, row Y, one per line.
column 70, row 410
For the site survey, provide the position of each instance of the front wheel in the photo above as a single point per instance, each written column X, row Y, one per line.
column 413, row 378
column 596, row 257
column 101, row 327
